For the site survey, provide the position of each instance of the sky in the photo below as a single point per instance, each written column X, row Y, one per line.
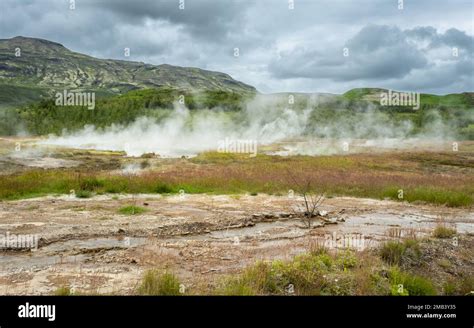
column 274, row 45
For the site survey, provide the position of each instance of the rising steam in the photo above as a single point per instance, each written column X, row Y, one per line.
column 266, row 120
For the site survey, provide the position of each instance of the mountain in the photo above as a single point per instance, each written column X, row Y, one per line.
column 42, row 66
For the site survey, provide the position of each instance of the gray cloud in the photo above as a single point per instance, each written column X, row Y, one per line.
column 385, row 53
column 280, row 49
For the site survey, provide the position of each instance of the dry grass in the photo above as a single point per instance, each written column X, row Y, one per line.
column 372, row 176
column 159, row 283
column 443, row 231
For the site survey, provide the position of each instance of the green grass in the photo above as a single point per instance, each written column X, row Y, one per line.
column 131, row 210
column 322, row 273
column 368, row 176
column 397, row 252
column 406, row 284
column 306, row 274
column 452, row 198
column 442, row 231
column 84, row 194
column 163, row 188
column 155, row 282
column 63, row 291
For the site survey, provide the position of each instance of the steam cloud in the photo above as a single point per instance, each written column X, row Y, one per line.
column 266, row 119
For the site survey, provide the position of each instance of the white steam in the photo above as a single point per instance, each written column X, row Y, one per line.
column 266, row 120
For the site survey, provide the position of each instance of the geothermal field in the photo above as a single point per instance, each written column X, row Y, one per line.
column 102, row 220
column 237, row 148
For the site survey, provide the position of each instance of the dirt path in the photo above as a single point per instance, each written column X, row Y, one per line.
column 87, row 245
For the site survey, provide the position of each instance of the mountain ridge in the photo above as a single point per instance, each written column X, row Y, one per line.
column 50, row 65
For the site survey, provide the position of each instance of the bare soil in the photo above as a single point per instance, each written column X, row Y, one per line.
column 87, row 245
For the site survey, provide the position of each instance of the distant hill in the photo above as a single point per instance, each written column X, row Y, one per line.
column 44, row 66
column 465, row 99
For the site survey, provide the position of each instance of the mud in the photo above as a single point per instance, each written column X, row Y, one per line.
column 87, row 245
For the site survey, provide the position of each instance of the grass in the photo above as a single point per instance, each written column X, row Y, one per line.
column 431, row 195
column 163, row 188
column 407, row 284
column 398, row 252
column 84, row 194
column 442, row 231
column 313, row 273
column 369, row 176
column 342, row 273
column 63, row 291
column 155, row 282
column 321, row 271
column 131, row 210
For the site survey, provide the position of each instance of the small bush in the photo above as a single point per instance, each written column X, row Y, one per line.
column 449, row 288
column 442, row 231
column 396, row 252
column 237, row 287
column 404, row 284
column 392, row 252
column 159, row 283
column 163, row 188
column 90, row 184
column 131, row 210
column 301, row 276
column 466, row 286
column 63, row 291
column 84, row 194
column 346, row 260
column 144, row 164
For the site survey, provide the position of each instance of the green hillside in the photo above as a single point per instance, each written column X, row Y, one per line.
column 36, row 66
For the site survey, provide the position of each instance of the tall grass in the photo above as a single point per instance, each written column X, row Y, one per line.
column 235, row 173
column 155, row 282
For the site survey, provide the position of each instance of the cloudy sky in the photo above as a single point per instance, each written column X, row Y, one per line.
column 319, row 45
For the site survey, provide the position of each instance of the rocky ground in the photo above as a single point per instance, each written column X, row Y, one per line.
column 88, row 245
